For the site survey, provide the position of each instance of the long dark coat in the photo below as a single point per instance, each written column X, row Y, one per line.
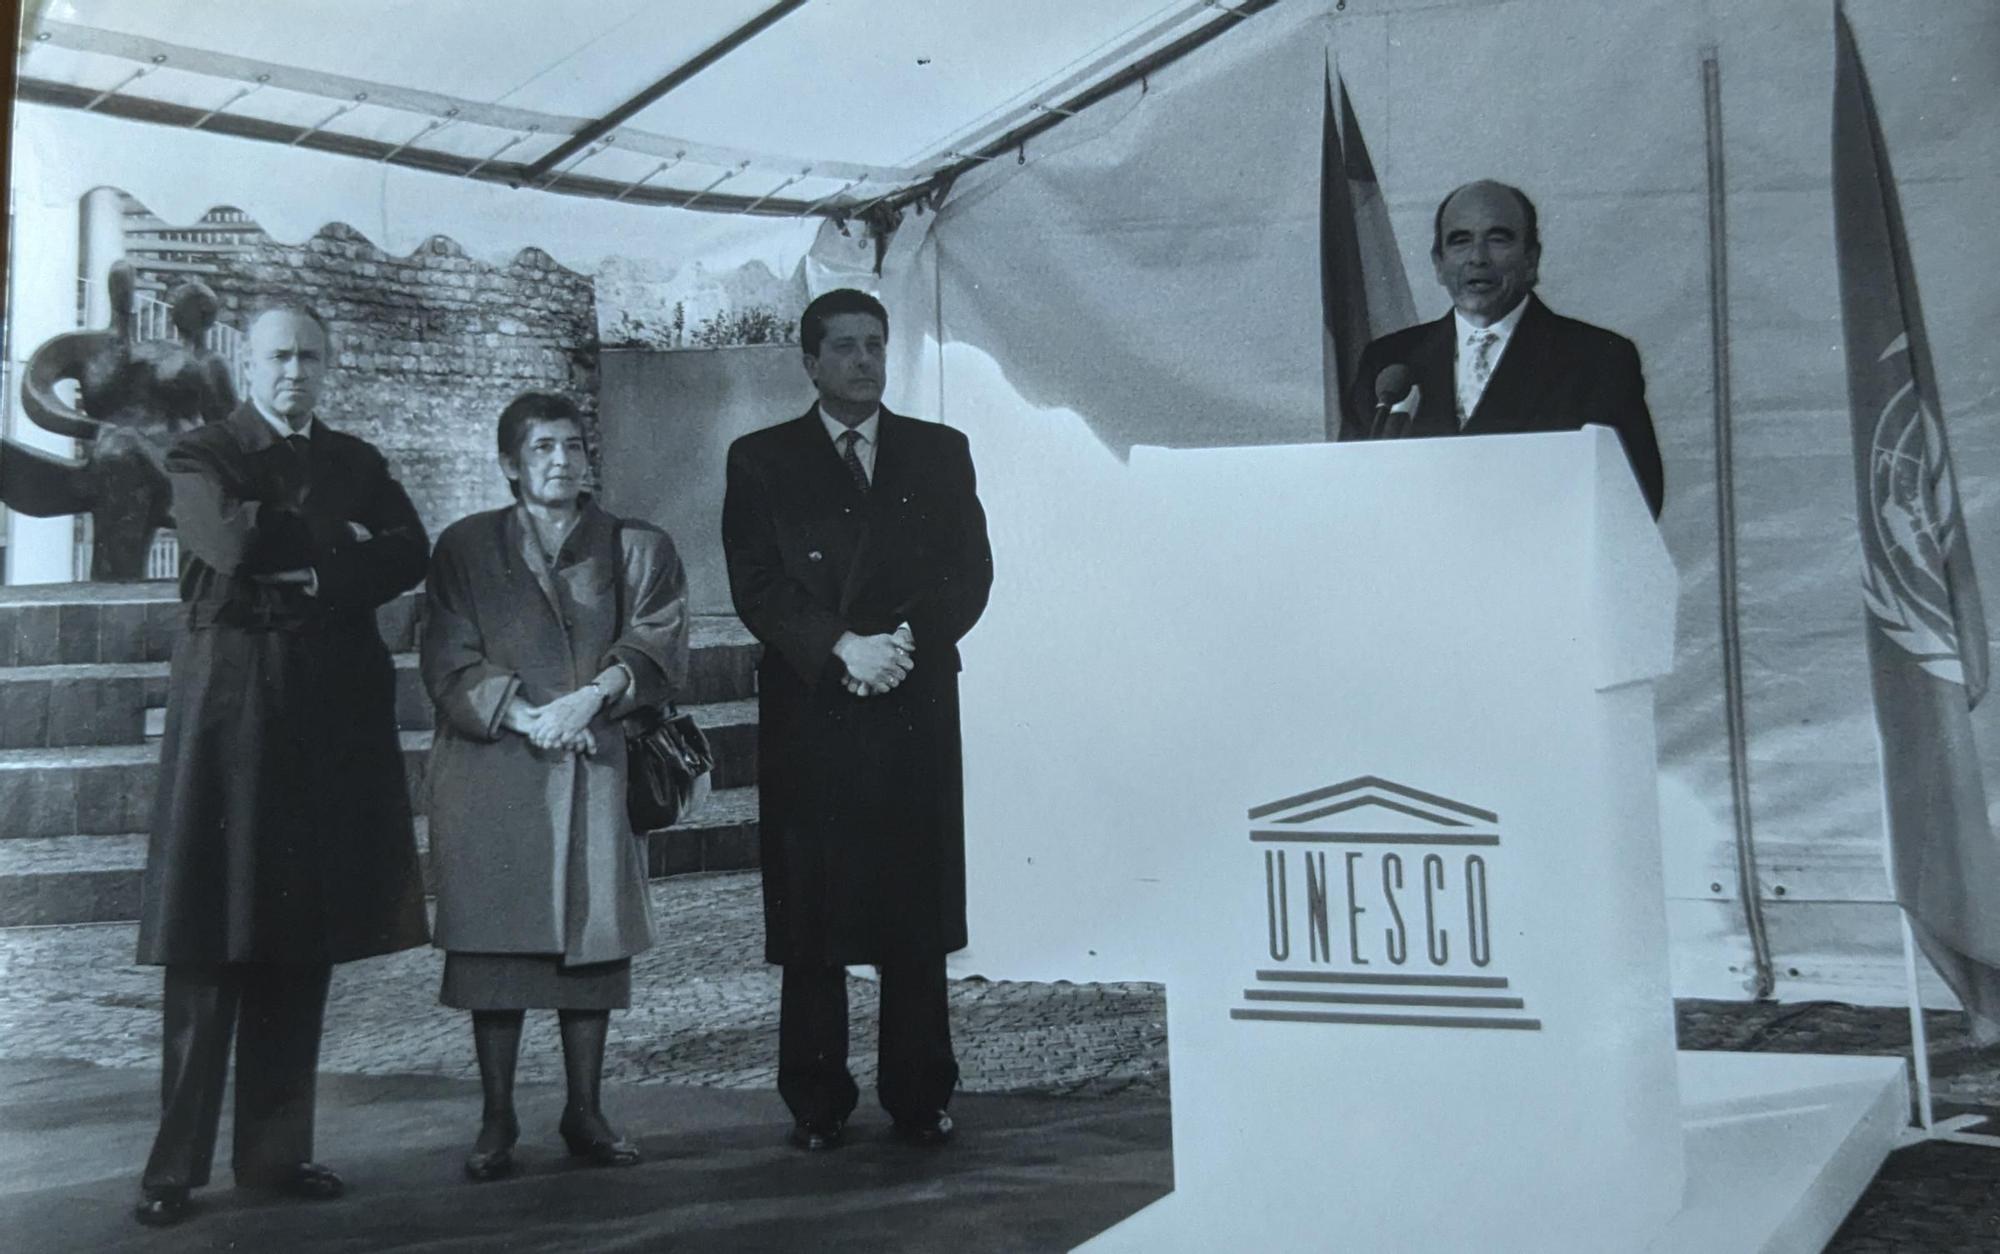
column 281, row 827
column 1556, row 375
column 862, row 823
column 531, row 849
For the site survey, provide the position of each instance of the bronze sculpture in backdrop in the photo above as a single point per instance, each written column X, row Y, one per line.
column 133, row 399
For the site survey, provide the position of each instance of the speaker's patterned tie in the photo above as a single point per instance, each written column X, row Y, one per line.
column 1482, row 357
column 1482, row 370
column 848, row 439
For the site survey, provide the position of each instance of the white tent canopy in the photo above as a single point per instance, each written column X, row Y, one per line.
column 783, row 107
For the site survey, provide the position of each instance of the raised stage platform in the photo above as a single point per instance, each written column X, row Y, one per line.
column 1779, row 1149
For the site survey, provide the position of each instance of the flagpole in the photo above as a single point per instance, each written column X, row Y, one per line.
column 1932, row 790
column 1920, row 1045
column 1955, row 1128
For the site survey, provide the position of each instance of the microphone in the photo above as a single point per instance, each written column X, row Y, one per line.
column 1395, row 392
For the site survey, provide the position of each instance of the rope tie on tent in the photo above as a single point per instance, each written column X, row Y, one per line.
column 691, row 201
column 577, row 160
column 202, row 121
column 753, row 205
column 650, row 175
column 360, row 98
column 490, row 158
column 1763, row 978
column 830, row 197
column 436, row 125
column 159, row 59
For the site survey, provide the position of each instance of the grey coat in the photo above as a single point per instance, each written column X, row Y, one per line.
column 532, row 850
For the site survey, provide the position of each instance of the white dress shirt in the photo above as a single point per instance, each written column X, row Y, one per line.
column 1470, row 389
column 279, row 425
column 864, row 448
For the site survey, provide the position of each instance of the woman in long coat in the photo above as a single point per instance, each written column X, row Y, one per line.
column 549, row 620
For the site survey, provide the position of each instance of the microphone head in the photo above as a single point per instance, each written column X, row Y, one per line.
column 1393, row 384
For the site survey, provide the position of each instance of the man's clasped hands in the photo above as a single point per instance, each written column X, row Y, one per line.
column 877, row 663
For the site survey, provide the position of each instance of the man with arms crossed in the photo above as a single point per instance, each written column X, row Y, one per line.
column 281, row 839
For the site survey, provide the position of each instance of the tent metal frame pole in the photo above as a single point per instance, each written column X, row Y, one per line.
column 694, row 65
column 1764, row 979
column 485, row 169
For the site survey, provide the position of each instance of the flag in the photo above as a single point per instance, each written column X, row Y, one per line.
column 1363, row 290
column 1926, row 632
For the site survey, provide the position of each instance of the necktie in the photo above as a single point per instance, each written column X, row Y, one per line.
column 1482, row 356
column 303, row 455
column 848, row 439
column 1482, row 370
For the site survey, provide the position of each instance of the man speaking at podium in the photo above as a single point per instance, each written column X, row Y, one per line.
column 1501, row 362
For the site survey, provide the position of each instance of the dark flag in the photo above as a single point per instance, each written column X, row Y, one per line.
column 1363, row 290
column 1927, row 647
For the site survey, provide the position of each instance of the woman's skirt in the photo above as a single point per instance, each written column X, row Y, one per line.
column 533, row 982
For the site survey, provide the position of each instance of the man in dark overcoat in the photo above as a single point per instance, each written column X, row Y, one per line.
column 857, row 554
column 281, row 839
column 1500, row 361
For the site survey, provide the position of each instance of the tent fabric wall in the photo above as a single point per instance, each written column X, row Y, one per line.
column 1814, row 766
column 1134, row 267
column 1069, row 332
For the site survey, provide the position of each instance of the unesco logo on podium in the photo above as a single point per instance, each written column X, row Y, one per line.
column 1377, row 911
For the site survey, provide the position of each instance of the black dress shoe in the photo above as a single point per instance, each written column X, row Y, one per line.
column 815, row 1136
column 498, row 1162
column 162, row 1208
column 598, row 1145
column 935, row 1131
column 309, row 1181
column 483, row 1165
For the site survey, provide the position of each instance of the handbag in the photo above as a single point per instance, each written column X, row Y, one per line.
column 668, row 759
column 667, row 766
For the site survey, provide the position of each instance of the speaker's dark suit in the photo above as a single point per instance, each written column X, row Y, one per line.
column 862, row 819
column 1557, row 374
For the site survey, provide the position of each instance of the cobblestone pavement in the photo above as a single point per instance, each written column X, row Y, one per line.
column 704, row 1011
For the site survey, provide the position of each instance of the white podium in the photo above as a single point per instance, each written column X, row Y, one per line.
column 1394, row 801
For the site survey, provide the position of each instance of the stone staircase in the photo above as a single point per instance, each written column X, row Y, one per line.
column 83, row 686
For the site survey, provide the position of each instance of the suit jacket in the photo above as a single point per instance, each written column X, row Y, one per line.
column 862, row 820
column 281, row 827
column 1557, row 375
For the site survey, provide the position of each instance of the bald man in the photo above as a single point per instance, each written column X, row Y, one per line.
column 1502, row 362
column 281, row 839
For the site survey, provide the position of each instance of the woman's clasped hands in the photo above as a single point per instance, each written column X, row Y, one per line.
column 562, row 724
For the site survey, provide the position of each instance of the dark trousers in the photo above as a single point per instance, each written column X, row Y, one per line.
column 916, row 1069
column 274, row 1012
